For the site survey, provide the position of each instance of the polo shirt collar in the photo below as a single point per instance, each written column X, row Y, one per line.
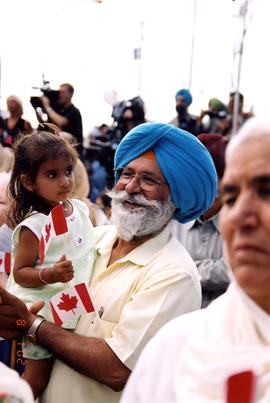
column 214, row 220
column 143, row 253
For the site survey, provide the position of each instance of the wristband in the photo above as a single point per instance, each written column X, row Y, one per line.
column 32, row 331
column 41, row 279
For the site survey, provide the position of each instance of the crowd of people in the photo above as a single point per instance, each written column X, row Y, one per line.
column 178, row 275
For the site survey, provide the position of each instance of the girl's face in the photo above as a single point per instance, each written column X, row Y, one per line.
column 55, row 180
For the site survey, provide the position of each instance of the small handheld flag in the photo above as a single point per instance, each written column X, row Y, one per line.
column 240, row 388
column 71, row 303
column 56, row 225
column 5, row 262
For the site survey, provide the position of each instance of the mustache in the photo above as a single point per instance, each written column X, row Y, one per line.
column 122, row 196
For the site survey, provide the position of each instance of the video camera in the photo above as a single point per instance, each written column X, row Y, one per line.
column 53, row 96
column 136, row 105
column 218, row 114
column 107, row 144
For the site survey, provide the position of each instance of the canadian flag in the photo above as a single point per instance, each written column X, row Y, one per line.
column 5, row 262
column 71, row 303
column 56, row 225
column 240, row 387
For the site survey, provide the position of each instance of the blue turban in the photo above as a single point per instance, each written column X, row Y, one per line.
column 186, row 95
column 184, row 161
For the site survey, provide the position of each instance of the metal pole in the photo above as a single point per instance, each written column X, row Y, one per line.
column 0, row 81
column 240, row 58
column 192, row 44
column 243, row 12
column 140, row 60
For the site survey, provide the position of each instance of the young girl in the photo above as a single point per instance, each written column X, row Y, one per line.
column 43, row 177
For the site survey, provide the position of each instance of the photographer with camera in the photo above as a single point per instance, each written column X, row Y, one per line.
column 64, row 114
column 211, row 118
column 126, row 115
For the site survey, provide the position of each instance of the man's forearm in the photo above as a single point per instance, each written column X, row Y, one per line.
column 59, row 120
column 89, row 356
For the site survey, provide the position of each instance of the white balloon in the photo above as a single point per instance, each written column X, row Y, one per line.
column 111, row 97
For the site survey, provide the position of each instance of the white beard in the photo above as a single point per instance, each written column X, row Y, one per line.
column 147, row 219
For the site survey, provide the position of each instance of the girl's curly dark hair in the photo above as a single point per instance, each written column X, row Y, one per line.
column 30, row 151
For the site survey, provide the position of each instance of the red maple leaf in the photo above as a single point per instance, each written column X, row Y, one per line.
column 68, row 303
column 48, row 230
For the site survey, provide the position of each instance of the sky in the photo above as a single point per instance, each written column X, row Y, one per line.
column 91, row 45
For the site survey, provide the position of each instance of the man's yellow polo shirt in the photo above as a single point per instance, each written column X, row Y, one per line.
column 134, row 297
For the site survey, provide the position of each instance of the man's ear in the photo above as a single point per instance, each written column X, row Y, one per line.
column 27, row 182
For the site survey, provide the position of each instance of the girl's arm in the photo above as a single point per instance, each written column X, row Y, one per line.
column 24, row 272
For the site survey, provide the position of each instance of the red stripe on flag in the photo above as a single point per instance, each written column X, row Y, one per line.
column 56, row 317
column 85, row 297
column 41, row 249
column 59, row 220
column 7, row 262
column 241, row 388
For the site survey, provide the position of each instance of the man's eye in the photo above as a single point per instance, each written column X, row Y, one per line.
column 228, row 200
column 264, row 192
column 149, row 180
column 126, row 174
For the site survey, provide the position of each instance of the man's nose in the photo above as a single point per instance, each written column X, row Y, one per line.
column 133, row 186
column 245, row 211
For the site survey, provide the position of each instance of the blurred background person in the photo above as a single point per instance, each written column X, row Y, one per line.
column 64, row 114
column 6, row 159
column 129, row 114
column 14, row 123
column 82, row 187
column 226, row 125
column 99, row 153
column 104, row 202
column 210, row 118
column 202, row 237
column 184, row 120
column 5, row 247
column 5, row 231
column 126, row 115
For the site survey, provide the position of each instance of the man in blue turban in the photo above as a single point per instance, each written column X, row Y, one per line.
column 142, row 276
column 183, row 97
column 183, row 160
column 184, row 120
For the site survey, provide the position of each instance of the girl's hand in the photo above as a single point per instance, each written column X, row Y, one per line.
column 63, row 271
